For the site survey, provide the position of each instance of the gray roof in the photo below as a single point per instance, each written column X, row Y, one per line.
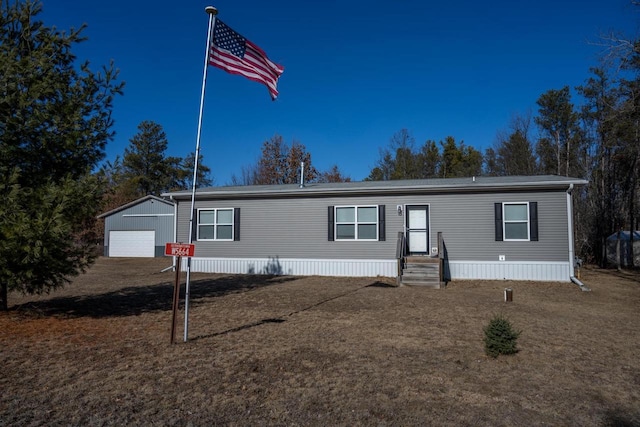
column 452, row 185
column 135, row 202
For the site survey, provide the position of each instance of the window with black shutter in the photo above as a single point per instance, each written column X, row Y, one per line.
column 516, row 221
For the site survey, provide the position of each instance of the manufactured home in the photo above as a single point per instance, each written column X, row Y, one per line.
column 140, row 228
column 514, row 228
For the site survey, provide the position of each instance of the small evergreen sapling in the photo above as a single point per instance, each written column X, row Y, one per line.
column 500, row 337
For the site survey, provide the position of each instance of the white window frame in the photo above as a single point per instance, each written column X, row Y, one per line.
column 505, row 221
column 215, row 224
column 355, row 223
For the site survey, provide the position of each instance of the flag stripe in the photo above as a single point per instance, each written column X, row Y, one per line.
column 237, row 55
column 232, row 65
column 250, row 63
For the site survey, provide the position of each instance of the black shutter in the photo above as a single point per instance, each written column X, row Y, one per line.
column 330, row 222
column 381, row 224
column 533, row 221
column 498, row 215
column 194, row 231
column 236, row 224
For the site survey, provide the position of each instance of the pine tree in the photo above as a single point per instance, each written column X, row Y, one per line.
column 55, row 120
column 429, row 160
column 514, row 155
column 459, row 160
column 400, row 160
column 490, row 166
column 500, row 337
column 603, row 206
column 146, row 168
column 185, row 173
column 405, row 162
column 562, row 139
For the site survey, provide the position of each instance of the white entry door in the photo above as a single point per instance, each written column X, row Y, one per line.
column 418, row 230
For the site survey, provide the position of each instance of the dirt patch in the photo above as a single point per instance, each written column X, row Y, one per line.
column 318, row 351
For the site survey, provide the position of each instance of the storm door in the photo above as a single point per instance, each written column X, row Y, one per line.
column 417, row 230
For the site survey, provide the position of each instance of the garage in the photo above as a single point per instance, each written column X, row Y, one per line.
column 140, row 228
column 132, row 243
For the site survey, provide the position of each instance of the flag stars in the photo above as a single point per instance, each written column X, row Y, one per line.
column 227, row 39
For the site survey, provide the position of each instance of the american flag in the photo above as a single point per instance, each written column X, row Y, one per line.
column 236, row 55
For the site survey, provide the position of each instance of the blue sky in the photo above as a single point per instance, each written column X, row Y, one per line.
column 356, row 72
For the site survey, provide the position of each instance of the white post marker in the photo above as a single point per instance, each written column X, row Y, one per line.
column 212, row 12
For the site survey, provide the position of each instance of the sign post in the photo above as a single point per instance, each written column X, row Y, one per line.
column 177, row 250
column 176, row 298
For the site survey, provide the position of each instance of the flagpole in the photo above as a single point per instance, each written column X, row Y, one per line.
column 212, row 11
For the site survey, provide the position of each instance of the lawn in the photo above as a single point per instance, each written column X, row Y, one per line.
column 318, row 351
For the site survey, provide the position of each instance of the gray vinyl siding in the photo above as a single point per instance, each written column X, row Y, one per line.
column 158, row 217
column 287, row 228
column 297, row 227
column 468, row 226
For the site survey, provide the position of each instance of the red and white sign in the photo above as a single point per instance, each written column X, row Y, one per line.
column 179, row 249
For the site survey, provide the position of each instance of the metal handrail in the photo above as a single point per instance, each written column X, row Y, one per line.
column 400, row 252
column 441, row 255
column 400, row 245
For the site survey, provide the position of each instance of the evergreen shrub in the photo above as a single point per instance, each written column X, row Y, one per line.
column 500, row 337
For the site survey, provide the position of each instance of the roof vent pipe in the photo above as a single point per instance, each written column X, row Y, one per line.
column 302, row 175
column 474, row 179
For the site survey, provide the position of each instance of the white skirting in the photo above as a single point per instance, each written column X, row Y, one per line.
column 479, row 270
column 296, row 267
column 515, row 270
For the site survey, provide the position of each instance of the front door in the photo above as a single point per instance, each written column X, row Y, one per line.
column 418, row 229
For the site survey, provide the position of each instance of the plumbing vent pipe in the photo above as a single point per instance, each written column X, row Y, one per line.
column 302, row 175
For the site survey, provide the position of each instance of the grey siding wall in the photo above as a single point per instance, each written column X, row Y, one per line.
column 297, row 227
column 147, row 215
column 468, row 227
column 287, row 228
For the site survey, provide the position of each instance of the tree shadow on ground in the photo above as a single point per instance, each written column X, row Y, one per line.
column 136, row 300
column 283, row 318
column 381, row 285
column 632, row 275
column 619, row 417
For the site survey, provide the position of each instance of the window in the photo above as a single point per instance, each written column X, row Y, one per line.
column 356, row 223
column 516, row 221
column 216, row 224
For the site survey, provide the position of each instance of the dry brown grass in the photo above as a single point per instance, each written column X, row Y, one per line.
column 318, row 351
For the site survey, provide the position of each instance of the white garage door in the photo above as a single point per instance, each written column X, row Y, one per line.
column 132, row 244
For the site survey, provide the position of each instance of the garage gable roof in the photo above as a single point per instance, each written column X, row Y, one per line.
column 133, row 203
